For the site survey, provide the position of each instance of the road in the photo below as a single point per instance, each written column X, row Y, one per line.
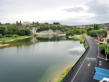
column 84, row 71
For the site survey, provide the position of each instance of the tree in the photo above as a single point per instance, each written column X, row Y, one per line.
column 17, row 23
column 23, row 31
column 95, row 33
column 2, row 30
column 56, row 23
column 20, row 23
column 96, row 27
column 33, row 23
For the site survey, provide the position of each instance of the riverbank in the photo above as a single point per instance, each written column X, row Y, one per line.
column 62, row 76
column 4, row 42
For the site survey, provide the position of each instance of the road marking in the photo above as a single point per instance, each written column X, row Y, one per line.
column 80, row 67
column 100, row 63
column 88, row 64
column 78, row 70
column 93, row 59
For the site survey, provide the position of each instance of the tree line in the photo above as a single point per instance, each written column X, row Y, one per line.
column 92, row 31
column 13, row 31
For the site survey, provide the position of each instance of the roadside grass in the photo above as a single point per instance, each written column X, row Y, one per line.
column 62, row 76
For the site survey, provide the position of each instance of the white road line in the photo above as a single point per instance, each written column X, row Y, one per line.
column 100, row 63
column 88, row 64
column 78, row 69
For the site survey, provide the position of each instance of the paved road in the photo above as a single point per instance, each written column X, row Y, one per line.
column 85, row 69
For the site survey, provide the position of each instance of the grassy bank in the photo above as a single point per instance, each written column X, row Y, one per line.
column 64, row 73
column 5, row 41
column 9, row 39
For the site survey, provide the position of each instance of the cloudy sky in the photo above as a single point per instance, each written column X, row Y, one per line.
column 70, row 12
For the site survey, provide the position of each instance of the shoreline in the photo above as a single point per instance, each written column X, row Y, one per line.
column 5, row 43
column 65, row 72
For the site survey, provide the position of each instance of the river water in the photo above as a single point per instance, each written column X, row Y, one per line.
column 38, row 59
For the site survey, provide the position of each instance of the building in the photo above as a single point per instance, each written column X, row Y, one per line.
column 26, row 23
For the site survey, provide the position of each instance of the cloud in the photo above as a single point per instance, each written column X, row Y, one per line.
column 97, row 7
column 74, row 9
column 73, row 12
column 101, row 10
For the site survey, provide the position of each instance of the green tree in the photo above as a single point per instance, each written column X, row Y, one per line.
column 56, row 23
column 20, row 23
column 17, row 23
column 2, row 30
column 96, row 27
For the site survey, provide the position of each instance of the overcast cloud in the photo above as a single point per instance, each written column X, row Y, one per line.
column 70, row 12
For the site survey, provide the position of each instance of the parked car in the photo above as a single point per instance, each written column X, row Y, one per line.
column 105, row 80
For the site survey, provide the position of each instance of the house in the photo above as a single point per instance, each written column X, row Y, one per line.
column 26, row 23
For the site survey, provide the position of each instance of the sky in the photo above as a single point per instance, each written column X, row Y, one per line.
column 69, row 12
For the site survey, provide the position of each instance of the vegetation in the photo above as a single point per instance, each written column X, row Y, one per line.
column 9, row 39
column 104, row 48
column 107, row 40
column 9, row 31
column 92, row 30
column 96, row 27
column 64, row 73
column 95, row 33
column 53, row 27
column 75, row 31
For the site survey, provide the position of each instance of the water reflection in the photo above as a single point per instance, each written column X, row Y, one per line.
column 38, row 59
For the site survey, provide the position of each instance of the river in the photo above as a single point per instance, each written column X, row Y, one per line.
column 38, row 59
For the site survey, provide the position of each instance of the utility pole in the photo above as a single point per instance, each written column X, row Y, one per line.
column 98, row 45
column 106, row 54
